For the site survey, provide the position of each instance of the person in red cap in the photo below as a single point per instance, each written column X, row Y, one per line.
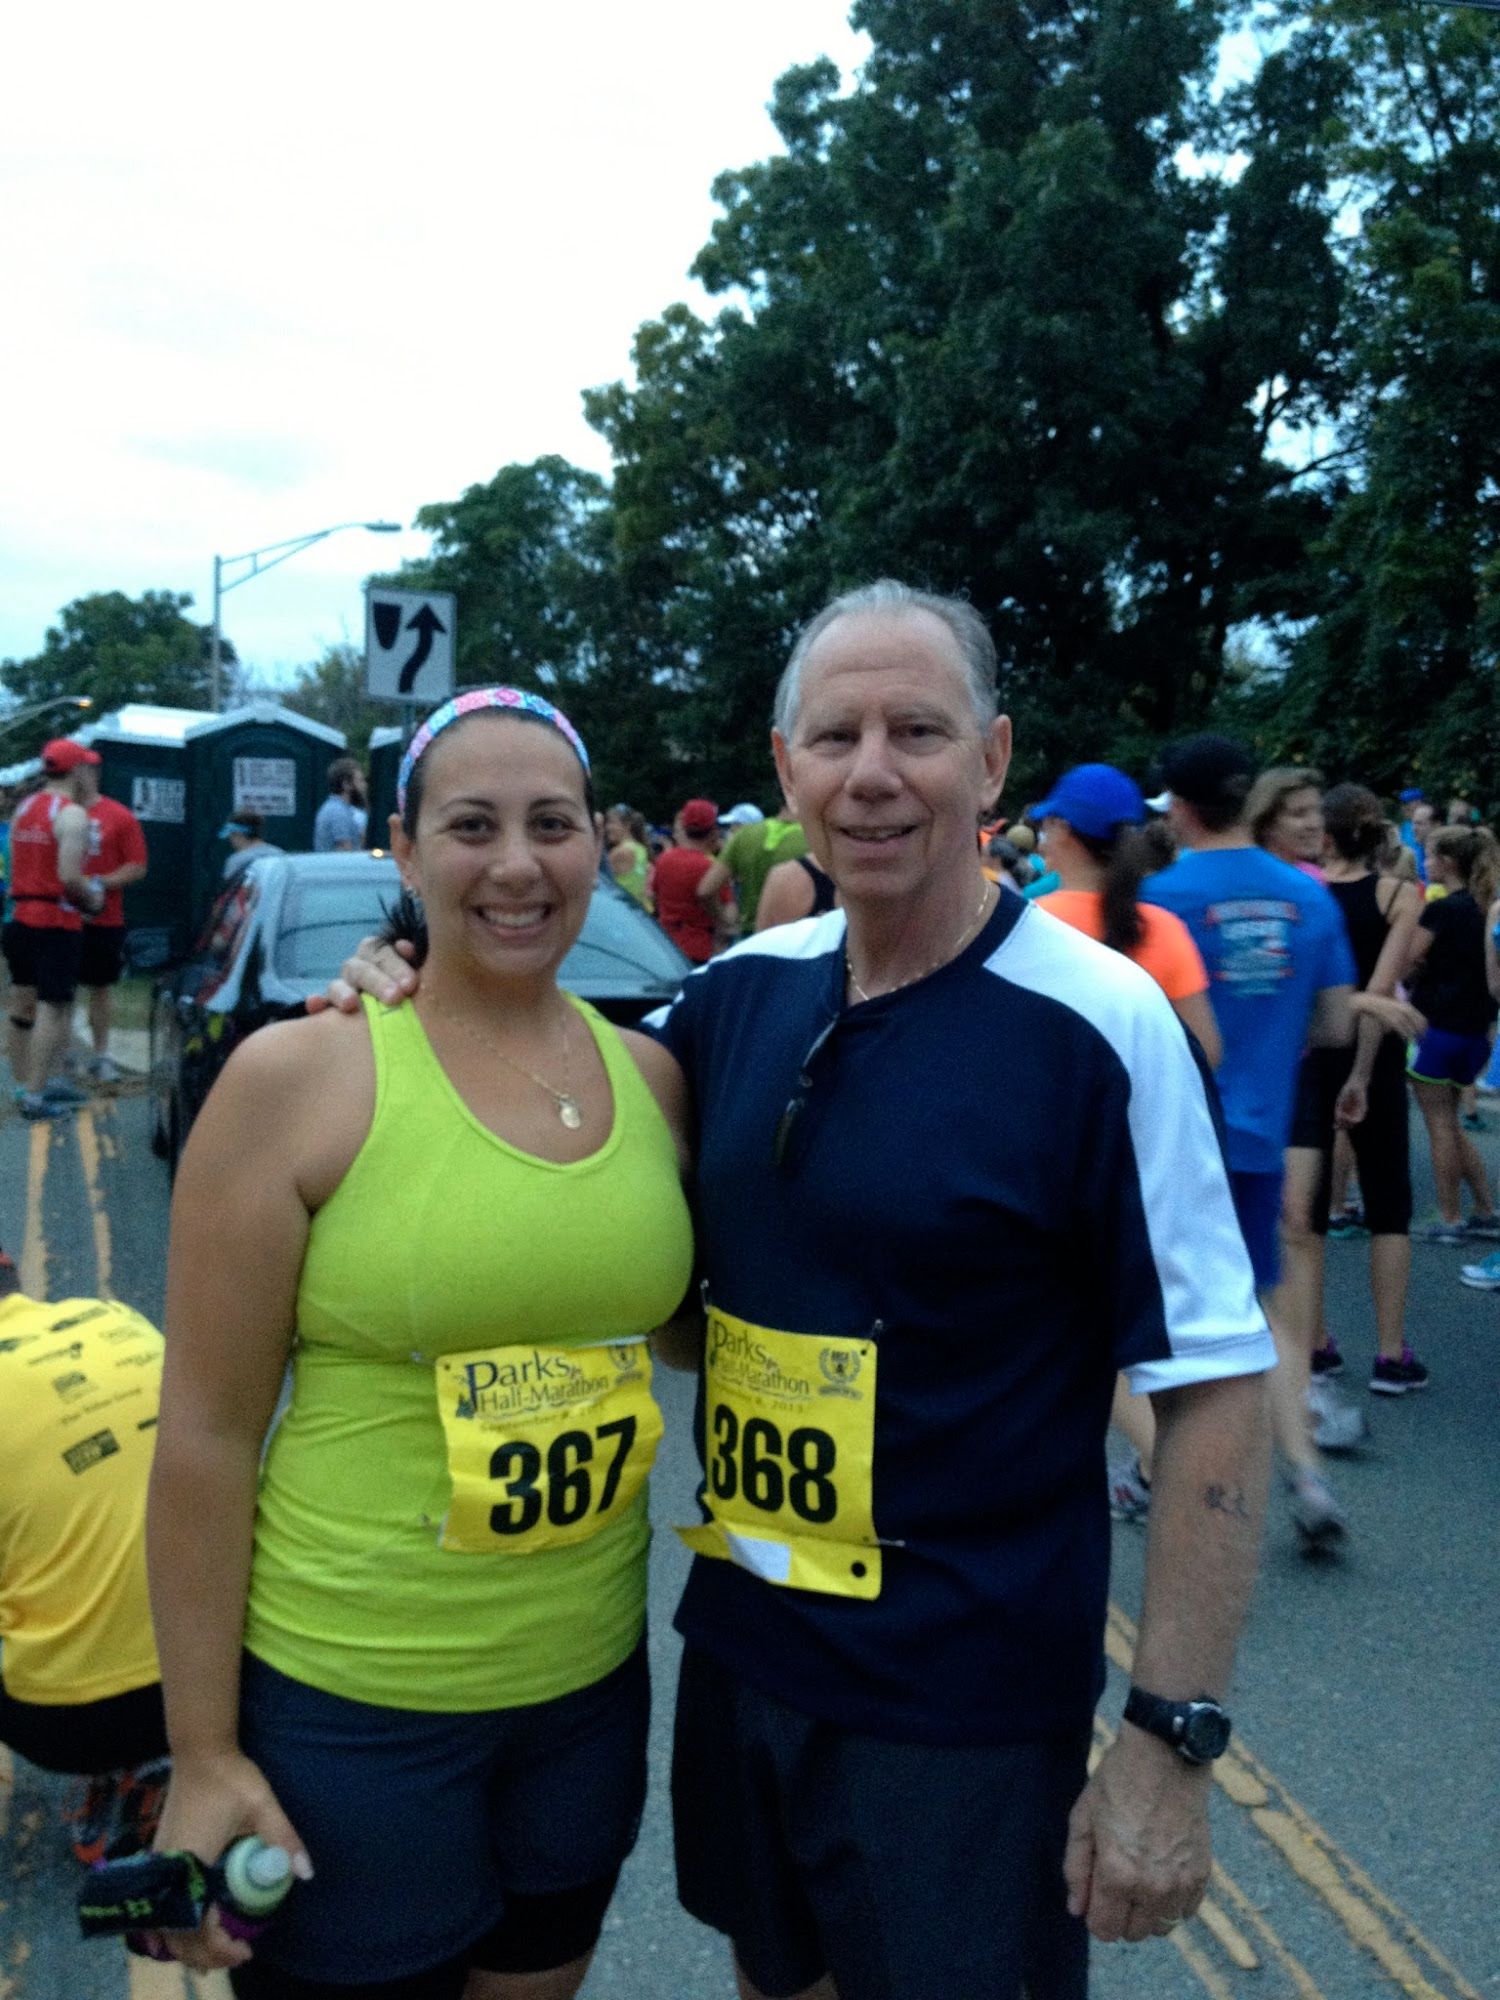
column 693, row 926
column 51, row 895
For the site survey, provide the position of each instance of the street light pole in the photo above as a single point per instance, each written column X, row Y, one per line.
column 41, row 708
column 278, row 552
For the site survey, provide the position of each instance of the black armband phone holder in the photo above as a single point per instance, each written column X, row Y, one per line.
column 145, row 1892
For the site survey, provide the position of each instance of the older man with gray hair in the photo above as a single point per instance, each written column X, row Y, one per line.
column 957, row 1167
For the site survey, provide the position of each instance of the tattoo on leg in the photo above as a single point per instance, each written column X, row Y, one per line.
column 1226, row 1500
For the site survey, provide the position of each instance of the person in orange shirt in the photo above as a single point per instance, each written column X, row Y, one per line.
column 1092, row 828
column 1095, row 838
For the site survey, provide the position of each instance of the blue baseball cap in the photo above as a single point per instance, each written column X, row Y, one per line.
column 1412, row 794
column 1094, row 799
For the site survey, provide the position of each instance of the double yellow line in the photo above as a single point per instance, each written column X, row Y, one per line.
column 1409, row 1963
column 94, row 1146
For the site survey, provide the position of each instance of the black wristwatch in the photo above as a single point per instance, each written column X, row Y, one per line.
column 1197, row 1730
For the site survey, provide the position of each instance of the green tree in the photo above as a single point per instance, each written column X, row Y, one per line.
column 332, row 691
column 1396, row 677
column 115, row 649
column 531, row 558
column 991, row 330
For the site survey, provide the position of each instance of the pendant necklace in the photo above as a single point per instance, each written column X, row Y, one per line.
column 569, row 1110
column 943, row 958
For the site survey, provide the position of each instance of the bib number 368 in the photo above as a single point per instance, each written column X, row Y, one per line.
column 771, row 1470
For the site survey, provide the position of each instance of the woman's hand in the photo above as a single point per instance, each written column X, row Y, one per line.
column 212, row 1802
column 1397, row 1017
column 384, row 971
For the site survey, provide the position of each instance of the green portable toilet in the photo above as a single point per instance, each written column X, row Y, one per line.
column 143, row 764
column 386, row 746
column 260, row 758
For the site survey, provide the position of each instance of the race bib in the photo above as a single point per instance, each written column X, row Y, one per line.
column 546, row 1445
column 789, row 1450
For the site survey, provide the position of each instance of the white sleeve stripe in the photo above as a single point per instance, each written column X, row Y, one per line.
column 1208, row 1293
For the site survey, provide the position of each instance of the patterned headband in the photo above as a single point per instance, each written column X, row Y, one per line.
column 471, row 703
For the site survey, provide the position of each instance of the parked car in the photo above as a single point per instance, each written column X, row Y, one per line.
column 282, row 931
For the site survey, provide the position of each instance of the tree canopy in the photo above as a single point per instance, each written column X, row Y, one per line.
column 114, row 649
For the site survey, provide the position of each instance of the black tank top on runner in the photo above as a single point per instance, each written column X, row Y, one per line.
column 823, row 889
column 1364, row 920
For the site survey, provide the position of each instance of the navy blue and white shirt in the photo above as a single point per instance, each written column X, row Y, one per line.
column 1010, row 1175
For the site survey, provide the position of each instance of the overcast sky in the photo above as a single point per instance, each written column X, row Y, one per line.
column 270, row 268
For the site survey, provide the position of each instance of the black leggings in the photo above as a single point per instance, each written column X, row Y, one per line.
column 1381, row 1152
column 536, row 1934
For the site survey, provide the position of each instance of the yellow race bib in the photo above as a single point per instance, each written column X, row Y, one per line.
column 789, row 1450
column 546, row 1445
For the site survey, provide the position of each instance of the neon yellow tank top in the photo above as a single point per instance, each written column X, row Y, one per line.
column 442, row 1239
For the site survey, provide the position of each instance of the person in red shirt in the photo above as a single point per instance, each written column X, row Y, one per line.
column 116, row 858
column 691, row 925
column 44, row 939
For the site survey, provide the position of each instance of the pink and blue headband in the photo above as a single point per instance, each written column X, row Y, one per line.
column 470, row 703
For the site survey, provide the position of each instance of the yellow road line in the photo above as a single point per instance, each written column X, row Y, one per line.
column 1213, row 1982
column 1317, row 1859
column 34, row 1242
column 1302, row 1981
column 88, row 1146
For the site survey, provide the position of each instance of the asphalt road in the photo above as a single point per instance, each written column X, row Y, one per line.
column 1356, row 1818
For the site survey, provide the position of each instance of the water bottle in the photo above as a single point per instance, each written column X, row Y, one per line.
column 254, row 1882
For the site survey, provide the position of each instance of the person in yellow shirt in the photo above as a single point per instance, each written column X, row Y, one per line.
column 80, row 1690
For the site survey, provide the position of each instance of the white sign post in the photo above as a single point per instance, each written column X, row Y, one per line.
column 409, row 649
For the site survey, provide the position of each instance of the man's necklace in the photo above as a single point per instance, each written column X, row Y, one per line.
column 943, row 957
column 569, row 1110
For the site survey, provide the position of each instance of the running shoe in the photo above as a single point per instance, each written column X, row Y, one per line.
column 1395, row 1378
column 104, row 1069
column 1338, row 1424
column 31, row 1106
column 1472, row 1122
column 139, row 1797
column 89, row 1814
column 1441, row 1232
column 58, row 1090
column 1347, row 1226
column 1483, row 1277
column 1485, row 1227
column 1327, row 1361
column 1129, row 1494
column 1316, row 1515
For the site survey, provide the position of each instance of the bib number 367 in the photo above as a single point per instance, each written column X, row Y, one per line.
column 546, row 1445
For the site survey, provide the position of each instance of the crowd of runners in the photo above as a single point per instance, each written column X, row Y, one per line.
column 984, row 1136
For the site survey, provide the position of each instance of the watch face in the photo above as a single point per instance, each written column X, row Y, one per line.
column 1205, row 1733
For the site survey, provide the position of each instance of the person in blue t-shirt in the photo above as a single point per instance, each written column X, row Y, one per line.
column 1281, row 980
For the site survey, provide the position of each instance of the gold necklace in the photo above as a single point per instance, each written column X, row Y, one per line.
column 942, row 958
column 569, row 1110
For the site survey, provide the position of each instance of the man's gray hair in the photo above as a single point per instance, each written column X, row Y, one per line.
column 970, row 633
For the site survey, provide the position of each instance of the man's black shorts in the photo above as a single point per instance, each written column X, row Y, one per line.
column 909, row 1871
column 87, row 1738
column 45, row 960
column 103, row 958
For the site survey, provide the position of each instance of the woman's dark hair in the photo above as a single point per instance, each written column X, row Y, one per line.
column 1127, row 857
column 1354, row 821
column 405, row 920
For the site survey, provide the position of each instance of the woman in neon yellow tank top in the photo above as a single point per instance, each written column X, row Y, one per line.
column 459, row 1219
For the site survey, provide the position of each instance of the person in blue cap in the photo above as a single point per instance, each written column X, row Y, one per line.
column 247, row 843
column 1093, row 825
